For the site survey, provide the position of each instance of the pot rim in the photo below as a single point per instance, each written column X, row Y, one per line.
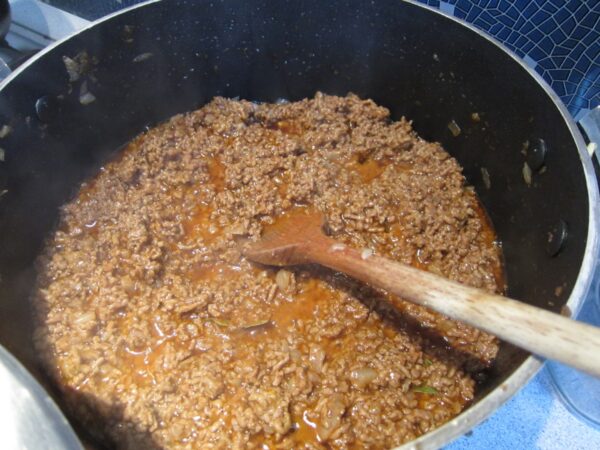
column 475, row 414
column 486, row 406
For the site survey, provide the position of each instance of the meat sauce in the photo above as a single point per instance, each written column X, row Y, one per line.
column 163, row 336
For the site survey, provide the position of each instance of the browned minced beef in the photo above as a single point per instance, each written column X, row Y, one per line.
column 161, row 335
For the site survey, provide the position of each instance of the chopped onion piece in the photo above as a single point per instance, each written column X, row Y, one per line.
column 86, row 318
column 73, row 68
column 337, row 247
column 316, row 357
column 282, row 279
column 142, row 57
column 486, row 178
column 527, row 175
column 454, row 128
column 363, row 376
column 331, row 416
column 85, row 96
column 366, row 253
column 5, row 131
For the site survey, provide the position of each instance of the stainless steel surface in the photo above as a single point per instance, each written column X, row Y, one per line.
column 29, row 418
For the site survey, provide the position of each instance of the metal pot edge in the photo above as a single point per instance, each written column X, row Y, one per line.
column 485, row 407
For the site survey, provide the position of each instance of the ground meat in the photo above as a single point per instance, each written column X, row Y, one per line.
column 161, row 335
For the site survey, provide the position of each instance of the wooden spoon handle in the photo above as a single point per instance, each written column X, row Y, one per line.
column 539, row 331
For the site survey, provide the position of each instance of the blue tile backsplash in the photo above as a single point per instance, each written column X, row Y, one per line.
column 560, row 39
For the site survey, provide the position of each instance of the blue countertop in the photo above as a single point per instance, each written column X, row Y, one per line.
column 534, row 419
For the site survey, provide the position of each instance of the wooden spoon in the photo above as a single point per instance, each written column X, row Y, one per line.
column 298, row 238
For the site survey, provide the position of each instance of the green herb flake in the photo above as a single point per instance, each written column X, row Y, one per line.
column 425, row 390
column 427, row 362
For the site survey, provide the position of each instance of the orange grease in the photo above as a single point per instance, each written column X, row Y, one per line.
column 201, row 226
column 216, row 171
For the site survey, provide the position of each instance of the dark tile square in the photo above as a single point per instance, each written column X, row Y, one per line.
column 548, row 26
column 513, row 12
column 579, row 33
column 570, row 43
column 574, row 77
column 546, row 44
column 561, row 51
column 526, row 28
column 521, row 40
column 481, row 23
column 570, row 88
column 568, row 25
column 567, row 99
column 557, row 3
column 521, row 21
column 570, row 62
column 503, row 33
column 561, row 15
column 495, row 29
column 540, row 17
column 591, row 20
column 546, row 77
column 530, row 9
column 593, row 91
column 485, row 15
column 591, row 38
column 559, row 88
column 559, row 60
column 577, row 50
column 460, row 14
column 581, row 12
column 557, row 36
column 527, row 46
column 474, row 13
column 549, row 7
column 512, row 37
column 583, row 64
column 535, row 35
column 572, row 5
column 560, row 75
column 536, row 53
column 546, row 63
column 465, row 5
column 520, row 3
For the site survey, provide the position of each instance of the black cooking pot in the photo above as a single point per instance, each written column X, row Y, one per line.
column 162, row 58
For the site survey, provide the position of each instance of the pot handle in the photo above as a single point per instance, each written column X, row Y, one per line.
column 590, row 124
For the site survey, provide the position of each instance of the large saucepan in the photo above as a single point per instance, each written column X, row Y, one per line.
column 152, row 61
